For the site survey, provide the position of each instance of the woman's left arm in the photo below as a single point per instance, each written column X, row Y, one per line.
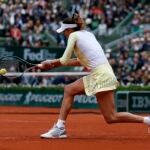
column 50, row 64
column 73, row 62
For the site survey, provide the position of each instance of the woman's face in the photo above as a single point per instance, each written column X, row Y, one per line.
column 67, row 32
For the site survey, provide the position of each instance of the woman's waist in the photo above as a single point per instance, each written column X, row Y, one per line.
column 102, row 67
column 93, row 65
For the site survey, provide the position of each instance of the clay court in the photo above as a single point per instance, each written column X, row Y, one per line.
column 20, row 128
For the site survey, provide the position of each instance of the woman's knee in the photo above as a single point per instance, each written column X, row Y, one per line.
column 68, row 90
column 111, row 118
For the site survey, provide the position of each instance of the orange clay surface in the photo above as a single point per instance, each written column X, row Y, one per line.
column 20, row 128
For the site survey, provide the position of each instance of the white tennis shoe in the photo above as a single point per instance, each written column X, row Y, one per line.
column 55, row 132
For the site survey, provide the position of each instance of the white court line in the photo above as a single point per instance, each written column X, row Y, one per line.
column 19, row 121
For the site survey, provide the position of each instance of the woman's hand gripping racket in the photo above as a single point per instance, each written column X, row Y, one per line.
column 13, row 67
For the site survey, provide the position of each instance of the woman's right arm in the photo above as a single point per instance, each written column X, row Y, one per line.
column 69, row 49
column 65, row 59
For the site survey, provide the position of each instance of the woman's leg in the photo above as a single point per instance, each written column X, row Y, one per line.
column 59, row 131
column 107, row 106
column 70, row 91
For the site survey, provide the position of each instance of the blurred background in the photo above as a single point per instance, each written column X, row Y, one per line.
column 122, row 27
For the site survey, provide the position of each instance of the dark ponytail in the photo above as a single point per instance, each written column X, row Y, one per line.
column 76, row 19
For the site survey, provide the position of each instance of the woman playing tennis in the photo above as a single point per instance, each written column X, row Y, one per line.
column 101, row 81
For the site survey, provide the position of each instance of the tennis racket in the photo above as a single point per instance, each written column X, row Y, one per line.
column 13, row 67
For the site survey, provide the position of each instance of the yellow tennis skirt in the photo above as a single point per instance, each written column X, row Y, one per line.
column 100, row 79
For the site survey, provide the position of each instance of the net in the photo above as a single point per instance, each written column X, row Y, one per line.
column 48, row 74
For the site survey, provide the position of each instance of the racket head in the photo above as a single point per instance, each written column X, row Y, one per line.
column 15, row 66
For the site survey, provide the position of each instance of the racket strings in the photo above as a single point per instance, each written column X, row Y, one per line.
column 12, row 65
column 15, row 68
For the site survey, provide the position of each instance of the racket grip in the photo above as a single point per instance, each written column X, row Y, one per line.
column 41, row 67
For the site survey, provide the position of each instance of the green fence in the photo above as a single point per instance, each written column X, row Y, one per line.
column 48, row 97
column 132, row 101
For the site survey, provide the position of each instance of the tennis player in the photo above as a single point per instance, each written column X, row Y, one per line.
column 101, row 81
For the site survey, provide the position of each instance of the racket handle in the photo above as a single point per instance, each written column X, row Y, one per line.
column 39, row 66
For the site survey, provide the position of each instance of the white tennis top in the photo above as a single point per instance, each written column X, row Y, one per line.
column 86, row 48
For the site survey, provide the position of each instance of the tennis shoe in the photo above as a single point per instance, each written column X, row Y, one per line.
column 55, row 132
column 149, row 127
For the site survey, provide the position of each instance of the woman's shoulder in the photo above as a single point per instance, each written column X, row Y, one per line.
column 81, row 32
column 73, row 34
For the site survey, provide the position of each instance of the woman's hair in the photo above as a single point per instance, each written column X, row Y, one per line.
column 76, row 19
